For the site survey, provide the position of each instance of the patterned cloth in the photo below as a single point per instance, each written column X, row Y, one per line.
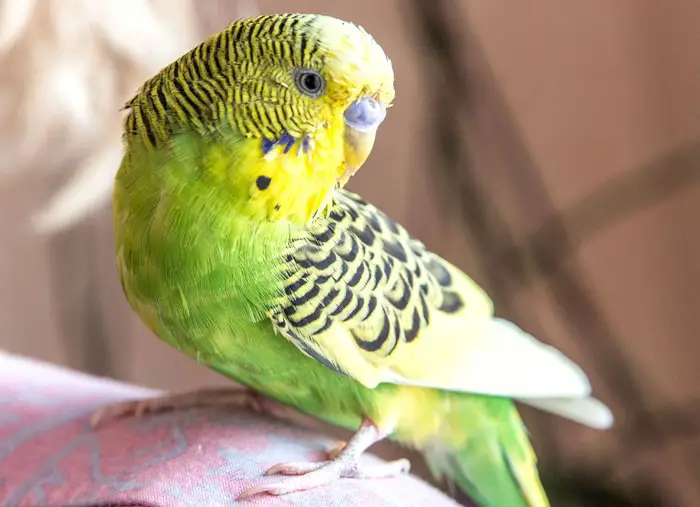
column 49, row 456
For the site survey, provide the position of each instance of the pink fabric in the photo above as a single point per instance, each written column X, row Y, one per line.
column 49, row 456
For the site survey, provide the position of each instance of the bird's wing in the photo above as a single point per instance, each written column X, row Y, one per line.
column 367, row 300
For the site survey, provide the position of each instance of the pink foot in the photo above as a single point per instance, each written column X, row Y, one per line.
column 216, row 397
column 343, row 463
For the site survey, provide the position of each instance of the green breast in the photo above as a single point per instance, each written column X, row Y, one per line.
column 201, row 268
column 202, row 278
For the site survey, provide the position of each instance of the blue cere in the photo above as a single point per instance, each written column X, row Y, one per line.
column 365, row 114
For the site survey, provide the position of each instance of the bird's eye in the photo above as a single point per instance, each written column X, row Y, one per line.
column 309, row 82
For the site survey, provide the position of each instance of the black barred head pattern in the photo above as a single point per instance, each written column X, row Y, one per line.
column 246, row 76
column 231, row 67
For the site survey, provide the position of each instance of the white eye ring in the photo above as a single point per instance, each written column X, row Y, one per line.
column 309, row 82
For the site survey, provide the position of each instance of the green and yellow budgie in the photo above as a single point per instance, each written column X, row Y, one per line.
column 237, row 244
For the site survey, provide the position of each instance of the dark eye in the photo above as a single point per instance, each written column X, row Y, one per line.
column 309, row 82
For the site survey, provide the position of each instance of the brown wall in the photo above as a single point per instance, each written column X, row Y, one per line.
column 588, row 111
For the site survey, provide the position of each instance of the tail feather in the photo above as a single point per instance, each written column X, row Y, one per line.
column 495, row 464
column 487, row 475
column 529, row 480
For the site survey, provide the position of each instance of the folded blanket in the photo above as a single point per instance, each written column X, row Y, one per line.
column 49, row 455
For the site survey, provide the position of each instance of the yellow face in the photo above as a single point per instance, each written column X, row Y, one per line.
column 316, row 95
column 352, row 63
column 318, row 79
column 360, row 86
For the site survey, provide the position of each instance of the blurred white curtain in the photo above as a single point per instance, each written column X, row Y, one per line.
column 67, row 67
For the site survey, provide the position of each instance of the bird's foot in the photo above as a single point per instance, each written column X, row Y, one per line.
column 239, row 397
column 343, row 462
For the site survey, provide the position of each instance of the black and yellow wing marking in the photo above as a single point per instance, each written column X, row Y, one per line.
column 366, row 299
column 362, row 269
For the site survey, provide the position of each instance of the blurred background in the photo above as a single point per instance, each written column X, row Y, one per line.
column 551, row 149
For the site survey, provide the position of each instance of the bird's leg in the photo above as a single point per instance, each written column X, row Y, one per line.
column 240, row 397
column 343, row 463
column 333, row 453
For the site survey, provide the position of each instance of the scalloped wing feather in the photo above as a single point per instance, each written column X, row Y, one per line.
column 369, row 301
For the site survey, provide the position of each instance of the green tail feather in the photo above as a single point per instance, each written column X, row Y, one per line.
column 495, row 465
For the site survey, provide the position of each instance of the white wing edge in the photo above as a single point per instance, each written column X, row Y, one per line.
column 511, row 363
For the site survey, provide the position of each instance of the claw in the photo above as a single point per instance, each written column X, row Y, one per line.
column 252, row 492
column 343, row 463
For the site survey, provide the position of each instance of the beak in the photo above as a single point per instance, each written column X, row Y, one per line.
column 362, row 118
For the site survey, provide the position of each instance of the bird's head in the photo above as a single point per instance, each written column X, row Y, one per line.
column 308, row 78
column 308, row 92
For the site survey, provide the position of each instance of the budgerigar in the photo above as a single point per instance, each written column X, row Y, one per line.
column 237, row 244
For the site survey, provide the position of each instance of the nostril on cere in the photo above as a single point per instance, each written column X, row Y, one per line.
column 365, row 114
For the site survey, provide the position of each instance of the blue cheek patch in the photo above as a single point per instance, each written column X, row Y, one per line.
column 267, row 145
column 305, row 145
column 288, row 141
